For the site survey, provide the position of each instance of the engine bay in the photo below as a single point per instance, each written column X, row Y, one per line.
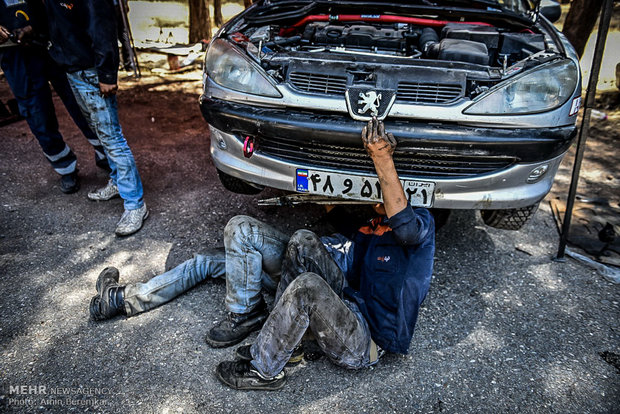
column 356, row 49
column 479, row 44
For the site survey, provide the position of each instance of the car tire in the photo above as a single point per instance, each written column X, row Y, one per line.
column 510, row 219
column 237, row 185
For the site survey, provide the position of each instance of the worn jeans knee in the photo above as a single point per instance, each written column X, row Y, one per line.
column 254, row 252
column 305, row 252
column 307, row 289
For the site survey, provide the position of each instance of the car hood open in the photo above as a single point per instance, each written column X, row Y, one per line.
column 521, row 10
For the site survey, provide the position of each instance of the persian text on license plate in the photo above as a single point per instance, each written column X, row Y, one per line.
column 419, row 193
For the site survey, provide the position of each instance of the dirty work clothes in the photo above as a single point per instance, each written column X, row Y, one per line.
column 390, row 277
column 252, row 259
column 392, row 274
column 28, row 72
column 102, row 115
column 310, row 297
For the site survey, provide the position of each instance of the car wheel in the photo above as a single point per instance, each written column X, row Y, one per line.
column 510, row 219
column 237, row 185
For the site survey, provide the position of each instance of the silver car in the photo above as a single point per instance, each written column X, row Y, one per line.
column 481, row 95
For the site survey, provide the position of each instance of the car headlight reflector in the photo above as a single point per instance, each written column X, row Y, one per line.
column 540, row 90
column 227, row 67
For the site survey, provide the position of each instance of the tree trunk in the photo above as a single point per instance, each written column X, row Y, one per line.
column 217, row 12
column 199, row 21
column 580, row 22
column 247, row 3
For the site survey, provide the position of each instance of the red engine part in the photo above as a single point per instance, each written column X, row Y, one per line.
column 371, row 18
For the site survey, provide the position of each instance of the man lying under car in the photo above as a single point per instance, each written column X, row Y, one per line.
column 358, row 295
column 357, row 311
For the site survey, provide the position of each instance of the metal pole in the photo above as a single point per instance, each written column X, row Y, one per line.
column 128, row 39
column 585, row 123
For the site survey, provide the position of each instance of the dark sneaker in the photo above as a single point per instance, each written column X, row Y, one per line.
column 236, row 327
column 243, row 353
column 240, row 375
column 69, row 183
column 108, row 302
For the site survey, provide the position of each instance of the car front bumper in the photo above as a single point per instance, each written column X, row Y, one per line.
column 506, row 188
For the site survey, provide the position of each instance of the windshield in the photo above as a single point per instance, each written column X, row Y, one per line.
column 518, row 6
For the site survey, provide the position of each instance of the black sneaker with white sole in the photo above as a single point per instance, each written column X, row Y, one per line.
column 240, row 375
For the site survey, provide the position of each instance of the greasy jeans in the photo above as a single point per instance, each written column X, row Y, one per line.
column 310, row 297
column 102, row 115
column 252, row 260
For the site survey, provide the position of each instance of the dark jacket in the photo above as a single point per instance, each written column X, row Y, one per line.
column 83, row 36
column 392, row 268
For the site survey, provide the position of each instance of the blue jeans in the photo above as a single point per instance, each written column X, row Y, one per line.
column 29, row 72
column 102, row 115
column 252, row 260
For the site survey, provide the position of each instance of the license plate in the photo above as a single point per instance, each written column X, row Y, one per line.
column 419, row 193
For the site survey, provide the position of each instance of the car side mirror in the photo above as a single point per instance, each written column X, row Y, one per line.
column 551, row 9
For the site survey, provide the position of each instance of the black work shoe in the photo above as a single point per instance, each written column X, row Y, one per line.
column 69, row 183
column 240, row 375
column 108, row 276
column 236, row 327
column 243, row 353
column 109, row 300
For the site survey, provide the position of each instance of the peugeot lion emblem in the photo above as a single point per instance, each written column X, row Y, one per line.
column 363, row 102
column 370, row 101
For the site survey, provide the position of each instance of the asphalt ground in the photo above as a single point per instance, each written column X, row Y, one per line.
column 504, row 328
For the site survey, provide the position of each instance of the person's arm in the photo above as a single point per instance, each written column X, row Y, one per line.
column 102, row 31
column 411, row 227
column 380, row 146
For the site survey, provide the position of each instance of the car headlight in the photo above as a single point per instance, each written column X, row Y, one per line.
column 540, row 90
column 227, row 67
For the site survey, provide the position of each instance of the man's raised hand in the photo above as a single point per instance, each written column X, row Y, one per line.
column 376, row 141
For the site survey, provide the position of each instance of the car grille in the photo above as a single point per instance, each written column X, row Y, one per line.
column 408, row 92
column 319, row 83
column 433, row 93
column 408, row 161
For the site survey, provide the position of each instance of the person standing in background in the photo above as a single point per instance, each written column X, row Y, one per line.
column 84, row 43
column 29, row 70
